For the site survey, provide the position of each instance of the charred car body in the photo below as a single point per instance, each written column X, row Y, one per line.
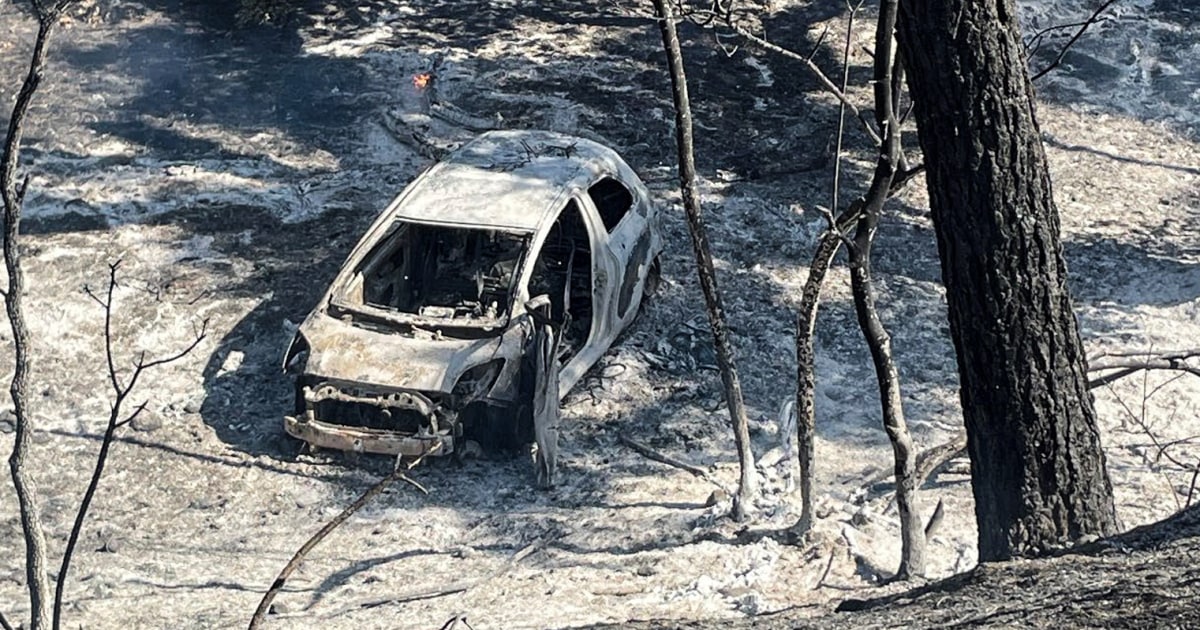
column 422, row 340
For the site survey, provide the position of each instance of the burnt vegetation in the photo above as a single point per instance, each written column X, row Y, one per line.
column 876, row 137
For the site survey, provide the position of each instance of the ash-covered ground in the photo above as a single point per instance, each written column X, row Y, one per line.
column 231, row 170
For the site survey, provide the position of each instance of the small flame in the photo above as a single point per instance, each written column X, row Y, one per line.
column 422, row 80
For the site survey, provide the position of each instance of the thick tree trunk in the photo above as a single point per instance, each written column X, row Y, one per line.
column 1039, row 477
column 747, row 487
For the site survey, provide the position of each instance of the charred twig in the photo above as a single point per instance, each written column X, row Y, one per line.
column 1140, row 421
column 825, row 573
column 928, row 461
column 399, row 474
column 935, row 520
column 807, row 62
column 121, row 392
column 726, row 15
column 1083, row 27
column 453, row 622
column 1192, row 485
column 649, row 453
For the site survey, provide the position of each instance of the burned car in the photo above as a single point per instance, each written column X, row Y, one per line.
column 423, row 340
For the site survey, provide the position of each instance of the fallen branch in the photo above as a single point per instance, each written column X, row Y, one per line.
column 399, row 474
column 450, row 589
column 650, row 453
column 825, row 574
column 928, row 461
column 1122, row 364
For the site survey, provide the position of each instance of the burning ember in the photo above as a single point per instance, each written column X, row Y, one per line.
column 422, row 80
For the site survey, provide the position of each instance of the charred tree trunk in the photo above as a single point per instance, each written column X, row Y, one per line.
column 912, row 533
column 704, row 264
column 13, row 196
column 806, row 381
column 1039, row 475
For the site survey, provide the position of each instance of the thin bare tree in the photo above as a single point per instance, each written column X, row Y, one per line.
column 912, row 531
column 748, row 485
column 13, row 194
column 117, row 418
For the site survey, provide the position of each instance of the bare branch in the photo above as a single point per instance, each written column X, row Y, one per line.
column 807, row 62
column 912, row 560
column 1192, row 485
column 1083, row 27
column 143, row 365
column 115, row 421
column 841, row 127
column 453, row 588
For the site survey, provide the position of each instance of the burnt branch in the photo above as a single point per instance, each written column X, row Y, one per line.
column 651, row 454
column 810, row 297
column 1083, row 27
column 728, row 16
column 1118, row 365
column 454, row 588
column 121, row 392
column 399, row 474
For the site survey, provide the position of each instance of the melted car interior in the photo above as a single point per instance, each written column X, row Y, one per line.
column 563, row 270
column 443, row 272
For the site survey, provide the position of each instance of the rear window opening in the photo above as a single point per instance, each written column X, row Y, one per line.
column 441, row 272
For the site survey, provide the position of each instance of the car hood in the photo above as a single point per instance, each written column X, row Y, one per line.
column 342, row 351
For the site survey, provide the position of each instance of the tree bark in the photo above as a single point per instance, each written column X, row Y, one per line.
column 1039, row 475
column 704, row 263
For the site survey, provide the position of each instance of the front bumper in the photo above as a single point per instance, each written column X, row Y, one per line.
column 365, row 440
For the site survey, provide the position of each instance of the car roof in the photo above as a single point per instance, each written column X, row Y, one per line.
column 512, row 180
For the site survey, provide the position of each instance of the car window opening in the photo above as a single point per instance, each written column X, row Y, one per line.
column 443, row 272
column 613, row 201
column 563, row 270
